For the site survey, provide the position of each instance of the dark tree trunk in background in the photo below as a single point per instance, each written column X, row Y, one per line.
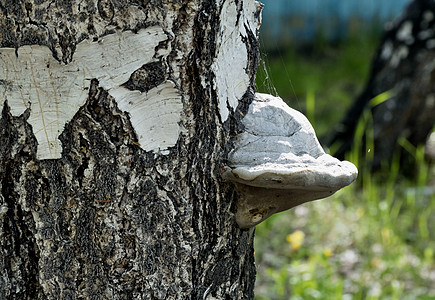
column 111, row 213
column 405, row 65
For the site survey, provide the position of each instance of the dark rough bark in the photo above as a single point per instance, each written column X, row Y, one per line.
column 404, row 65
column 109, row 220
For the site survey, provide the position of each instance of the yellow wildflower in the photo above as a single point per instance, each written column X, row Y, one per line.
column 295, row 239
column 327, row 252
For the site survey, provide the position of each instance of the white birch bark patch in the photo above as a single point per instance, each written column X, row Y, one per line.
column 154, row 114
column 54, row 92
column 231, row 62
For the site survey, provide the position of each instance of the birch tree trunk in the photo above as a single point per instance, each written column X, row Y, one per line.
column 116, row 119
column 404, row 68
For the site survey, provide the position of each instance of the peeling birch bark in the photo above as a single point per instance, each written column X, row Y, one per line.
column 116, row 119
column 54, row 92
column 232, row 54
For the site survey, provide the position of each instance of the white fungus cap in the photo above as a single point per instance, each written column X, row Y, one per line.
column 278, row 163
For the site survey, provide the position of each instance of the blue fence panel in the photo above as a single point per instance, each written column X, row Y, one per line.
column 302, row 20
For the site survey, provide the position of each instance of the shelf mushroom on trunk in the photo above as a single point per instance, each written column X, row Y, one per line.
column 277, row 162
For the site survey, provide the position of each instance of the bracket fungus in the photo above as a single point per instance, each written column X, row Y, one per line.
column 277, row 162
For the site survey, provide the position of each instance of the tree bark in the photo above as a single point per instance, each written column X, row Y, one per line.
column 403, row 65
column 120, row 196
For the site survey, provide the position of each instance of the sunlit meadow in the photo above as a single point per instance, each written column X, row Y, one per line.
column 372, row 240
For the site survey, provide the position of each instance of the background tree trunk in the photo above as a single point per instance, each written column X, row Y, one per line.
column 112, row 214
column 404, row 66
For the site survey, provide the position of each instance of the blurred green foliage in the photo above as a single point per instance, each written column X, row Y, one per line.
column 372, row 240
column 332, row 74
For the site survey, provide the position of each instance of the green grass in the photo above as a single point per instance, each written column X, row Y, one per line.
column 333, row 75
column 372, row 240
